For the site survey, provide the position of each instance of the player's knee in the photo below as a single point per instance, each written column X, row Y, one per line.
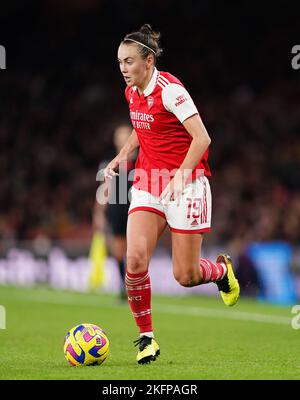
column 188, row 279
column 136, row 263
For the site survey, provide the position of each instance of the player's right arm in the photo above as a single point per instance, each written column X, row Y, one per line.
column 130, row 146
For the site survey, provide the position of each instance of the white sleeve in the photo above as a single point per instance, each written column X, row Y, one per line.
column 177, row 100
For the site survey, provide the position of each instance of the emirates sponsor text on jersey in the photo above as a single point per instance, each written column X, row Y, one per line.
column 141, row 120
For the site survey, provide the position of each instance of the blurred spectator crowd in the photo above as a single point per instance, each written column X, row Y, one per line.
column 60, row 105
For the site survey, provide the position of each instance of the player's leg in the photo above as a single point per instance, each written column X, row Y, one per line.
column 186, row 249
column 143, row 231
column 188, row 267
column 117, row 218
column 188, row 222
column 191, row 270
column 118, row 250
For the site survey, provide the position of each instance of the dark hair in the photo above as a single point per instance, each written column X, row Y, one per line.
column 148, row 38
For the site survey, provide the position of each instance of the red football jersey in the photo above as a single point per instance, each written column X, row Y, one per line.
column 157, row 115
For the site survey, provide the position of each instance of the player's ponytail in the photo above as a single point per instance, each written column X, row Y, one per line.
column 147, row 39
column 149, row 32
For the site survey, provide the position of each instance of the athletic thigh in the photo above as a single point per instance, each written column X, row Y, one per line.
column 144, row 228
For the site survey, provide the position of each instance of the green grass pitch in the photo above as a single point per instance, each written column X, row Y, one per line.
column 200, row 338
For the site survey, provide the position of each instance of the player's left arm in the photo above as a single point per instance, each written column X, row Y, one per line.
column 178, row 101
column 198, row 146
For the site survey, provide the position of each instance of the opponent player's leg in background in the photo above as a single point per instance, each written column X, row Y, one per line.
column 143, row 231
column 191, row 270
column 118, row 250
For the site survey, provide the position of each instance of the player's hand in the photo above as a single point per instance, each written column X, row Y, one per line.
column 174, row 189
column 109, row 171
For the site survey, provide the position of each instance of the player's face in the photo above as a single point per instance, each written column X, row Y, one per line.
column 133, row 67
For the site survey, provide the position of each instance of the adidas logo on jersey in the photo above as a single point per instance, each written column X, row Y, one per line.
column 194, row 223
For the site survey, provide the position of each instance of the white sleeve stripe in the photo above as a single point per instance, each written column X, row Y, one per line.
column 160, row 85
column 164, row 79
column 162, row 82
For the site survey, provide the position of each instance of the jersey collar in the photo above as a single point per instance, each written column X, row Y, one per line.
column 151, row 85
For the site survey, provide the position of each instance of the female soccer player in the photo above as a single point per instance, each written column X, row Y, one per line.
column 170, row 184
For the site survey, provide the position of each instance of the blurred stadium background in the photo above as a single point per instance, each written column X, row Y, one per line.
column 62, row 96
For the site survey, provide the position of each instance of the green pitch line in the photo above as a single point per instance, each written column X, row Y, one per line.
column 200, row 338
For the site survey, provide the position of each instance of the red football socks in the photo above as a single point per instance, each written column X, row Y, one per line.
column 211, row 272
column 139, row 298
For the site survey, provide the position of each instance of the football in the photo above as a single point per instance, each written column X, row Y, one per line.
column 86, row 344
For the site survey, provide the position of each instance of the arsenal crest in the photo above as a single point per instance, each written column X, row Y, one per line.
column 150, row 101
